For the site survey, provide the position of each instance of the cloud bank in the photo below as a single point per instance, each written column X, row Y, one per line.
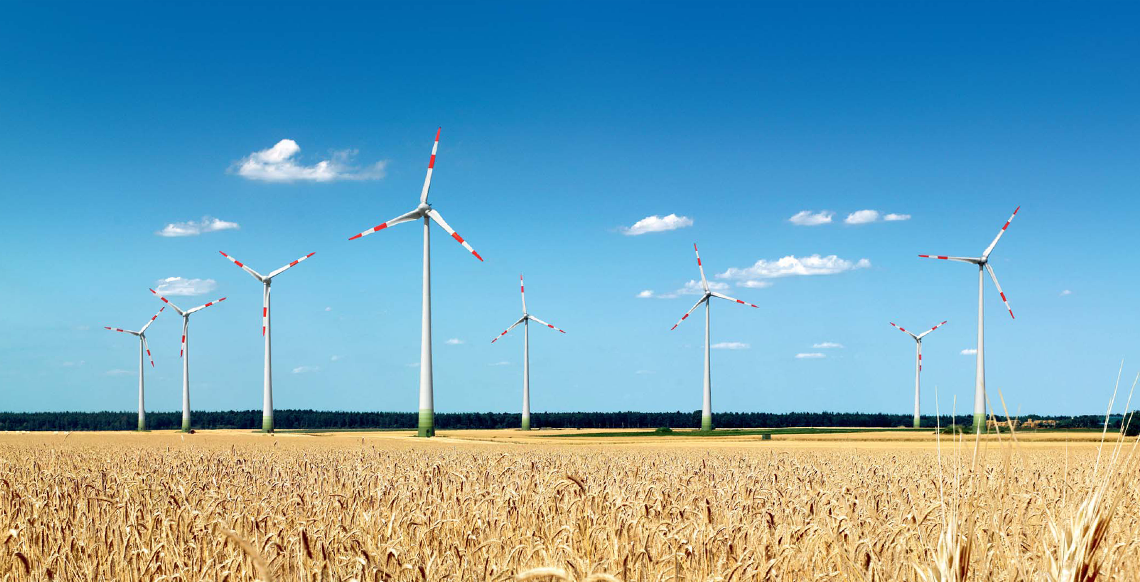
column 279, row 164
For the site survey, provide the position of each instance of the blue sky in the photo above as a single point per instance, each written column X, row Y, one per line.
column 563, row 125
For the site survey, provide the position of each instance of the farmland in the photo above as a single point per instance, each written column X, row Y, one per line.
column 228, row 505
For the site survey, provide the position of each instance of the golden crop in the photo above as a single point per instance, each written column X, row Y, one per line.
column 244, row 507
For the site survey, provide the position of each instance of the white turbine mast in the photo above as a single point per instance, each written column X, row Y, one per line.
column 267, row 397
column 983, row 264
column 525, row 321
column 184, row 353
column 143, row 346
column 706, row 407
column 428, row 214
column 917, row 362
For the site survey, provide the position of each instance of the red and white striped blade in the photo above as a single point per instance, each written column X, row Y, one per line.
column 902, row 329
column 923, row 334
column 119, row 329
column 244, row 267
column 201, row 307
column 379, row 227
column 147, row 347
column 521, row 319
column 544, row 323
column 989, row 249
column 686, row 315
column 265, row 311
column 1000, row 292
column 704, row 282
column 438, row 218
column 167, row 301
column 522, row 291
column 289, row 266
column 143, row 330
column 431, row 166
column 946, row 258
column 723, row 296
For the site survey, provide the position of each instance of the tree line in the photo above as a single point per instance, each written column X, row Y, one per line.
column 334, row 420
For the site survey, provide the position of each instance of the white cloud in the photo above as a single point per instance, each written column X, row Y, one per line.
column 657, row 224
column 172, row 286
column 453, row 341
column 502, row 363
column 791, row 266
column 328, row 309
column 191, row 228
column 892, row 217
column 118, row 372
column 643, row 372
column 827, row 345
column 278, row 164
column 730, row 346
column 809, row 218
column 692, row 287
column 810, row 356
column 753, row 284
column 969, row 352
column 862, row 217
column 305, row 369
column 1066, row 292
column 413, row 365
column 336, row 358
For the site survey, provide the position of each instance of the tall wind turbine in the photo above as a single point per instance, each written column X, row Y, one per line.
column 141, row 334
column 917, row 361
column 525, row 320
column 983, row 264
column 706, row 408
column 425, row 211
column 267, row 399
column 184, row 353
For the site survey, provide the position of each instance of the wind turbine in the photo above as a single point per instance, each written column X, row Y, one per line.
column 983, row 264
column 706, row 408
column 141, row 334
column 917, row 361
column 525, row 320
column 426, row 212
column 267, row 399
column 184, row 353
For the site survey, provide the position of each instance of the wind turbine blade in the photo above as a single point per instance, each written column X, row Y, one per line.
column 143, row 330
column 438, row 218
column 167, row 301
column 244, row 267
column 289, row 266
column 683, row 317
column 431, row 166
column 945, row 258
column 147, row 346
column 900, row 328
column 546, row 324
column 704, row 282
column 201, row 307
column 722, row 296
column 923, row 334
column 521, row 319
column 1000, row 292
column 522, row 291
column 121, row 330
column 379, row 227
column 989, row 249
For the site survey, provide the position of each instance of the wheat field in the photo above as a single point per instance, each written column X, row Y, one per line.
column 240, row 506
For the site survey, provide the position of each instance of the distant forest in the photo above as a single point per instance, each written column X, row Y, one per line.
column 322, row 419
